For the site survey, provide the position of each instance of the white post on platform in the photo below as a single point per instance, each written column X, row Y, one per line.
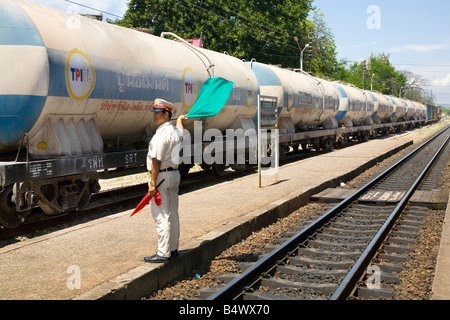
column 268, row 122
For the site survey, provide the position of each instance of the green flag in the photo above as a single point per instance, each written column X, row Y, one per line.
column 211, row 99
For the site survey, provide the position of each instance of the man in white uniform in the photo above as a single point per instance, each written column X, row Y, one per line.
column 162, row 165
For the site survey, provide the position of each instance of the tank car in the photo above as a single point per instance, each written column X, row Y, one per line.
column 359, row 108
column 95, row 73
column 410, row 110
column 399, row 111
column 416, row 109
column 77, row 95
column 305, row 101
column 383, row 107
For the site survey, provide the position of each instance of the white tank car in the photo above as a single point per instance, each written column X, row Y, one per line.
column 301, row 97
column 419, row 110
column 383, row 107
column 415, row 110
column 399, row 109
column 359, row 106
column 423, row 112
column 76, row 84
column 410, row 110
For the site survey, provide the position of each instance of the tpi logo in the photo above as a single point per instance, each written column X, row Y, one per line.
column 190, row 88
column 80, row 75
column 77, row 74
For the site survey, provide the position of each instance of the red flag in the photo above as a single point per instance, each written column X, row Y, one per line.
column 146, row 199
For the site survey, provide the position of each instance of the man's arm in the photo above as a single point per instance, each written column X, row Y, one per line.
column 180, row 121
column 156, row 167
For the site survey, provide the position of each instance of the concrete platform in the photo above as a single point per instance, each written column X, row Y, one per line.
column 441, row 283
column 103, row 259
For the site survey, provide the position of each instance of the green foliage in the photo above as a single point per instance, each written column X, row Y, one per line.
column 377, row 72
column 263, row 29
column 321, row 55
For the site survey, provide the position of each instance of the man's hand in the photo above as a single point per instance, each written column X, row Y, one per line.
column 152, row 190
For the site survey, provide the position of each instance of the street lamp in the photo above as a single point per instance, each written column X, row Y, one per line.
column 301, row 53
column 371, row 82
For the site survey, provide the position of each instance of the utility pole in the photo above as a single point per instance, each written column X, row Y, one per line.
column 301, row 52
column 364, row 74
column 310, row 51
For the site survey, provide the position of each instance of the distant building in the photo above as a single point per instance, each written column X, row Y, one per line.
column 196, row 42
column 98, row 17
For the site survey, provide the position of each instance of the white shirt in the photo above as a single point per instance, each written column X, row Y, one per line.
column 162, row 145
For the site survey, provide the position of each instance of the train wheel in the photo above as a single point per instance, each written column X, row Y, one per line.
column 65, row 194
column 327, row 144
column 184, row 169
column 218, row 169
column 9, row 217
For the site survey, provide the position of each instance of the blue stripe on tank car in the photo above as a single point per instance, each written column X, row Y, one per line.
column 373, row 97
column 265, row 75
column 16, row 27
column 18, row 114
column 340, row 115
column 374, row 114
column 342, row 92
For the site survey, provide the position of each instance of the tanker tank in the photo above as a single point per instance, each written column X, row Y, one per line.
column 75, row 85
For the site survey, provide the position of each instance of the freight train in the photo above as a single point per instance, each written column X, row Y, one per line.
column 76, row 96
column 433, row 113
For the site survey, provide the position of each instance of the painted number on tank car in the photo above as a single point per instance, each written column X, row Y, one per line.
column 95, row 162
column 131, row 158
column 40, row 170
column 141, row 82
column 113, row 105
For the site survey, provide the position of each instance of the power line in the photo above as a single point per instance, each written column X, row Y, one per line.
column 409, row 64
column 82, row 5
column 422, row 65
column 263, row 23
column 435, row 85
column 245, row 20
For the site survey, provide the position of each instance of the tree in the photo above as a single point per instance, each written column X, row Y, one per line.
column 322, row 50
column 260, row 29
column 413, row 89
column 378, row 71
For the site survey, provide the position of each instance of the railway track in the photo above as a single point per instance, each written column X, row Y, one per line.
column 338, row 254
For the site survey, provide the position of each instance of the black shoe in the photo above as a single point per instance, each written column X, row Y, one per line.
column 156, row 259
column 174, row 253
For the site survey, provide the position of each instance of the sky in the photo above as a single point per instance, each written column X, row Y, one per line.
column 415, row 33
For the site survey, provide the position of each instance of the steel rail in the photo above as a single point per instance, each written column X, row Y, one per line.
column 234, row 289
column 357, row 271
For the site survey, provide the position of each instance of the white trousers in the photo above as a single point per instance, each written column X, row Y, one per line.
column 166, row 217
